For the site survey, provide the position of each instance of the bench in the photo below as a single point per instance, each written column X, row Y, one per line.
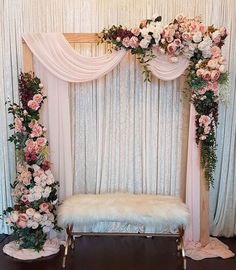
column 123, row 214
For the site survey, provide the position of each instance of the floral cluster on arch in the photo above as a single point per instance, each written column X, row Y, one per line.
column 201, row 44
column 35, row 189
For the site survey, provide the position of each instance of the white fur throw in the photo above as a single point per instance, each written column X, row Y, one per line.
column 123, row 207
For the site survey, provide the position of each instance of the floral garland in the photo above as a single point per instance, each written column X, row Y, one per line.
column 190, row 38
column 34, row 190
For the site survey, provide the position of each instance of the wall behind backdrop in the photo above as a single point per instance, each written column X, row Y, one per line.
column 164, row 105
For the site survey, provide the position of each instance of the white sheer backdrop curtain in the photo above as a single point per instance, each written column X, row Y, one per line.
column 91, row 16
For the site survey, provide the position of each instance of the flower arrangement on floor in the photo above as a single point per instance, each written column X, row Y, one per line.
column 190, row 38
column 35, row 189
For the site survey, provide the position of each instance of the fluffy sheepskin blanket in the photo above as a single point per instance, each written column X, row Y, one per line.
column 123, row 207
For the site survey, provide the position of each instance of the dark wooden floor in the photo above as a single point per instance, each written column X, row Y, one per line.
column 116, row 253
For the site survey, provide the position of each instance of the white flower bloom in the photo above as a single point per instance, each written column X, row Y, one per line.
column 37, row 217
column 35, row 225
column 50, row 217
column 144, row 43
column 144, row 32
column 48, row 223
column 35, row 167
column 14, row 216
column 37, row 196
column 30, row 212
column 222, row 69
column 45, row 217
column 30, row 197
column 46, row 229
column 215, row 34
column 197, row 37
column 206, row 53
column 30, row 223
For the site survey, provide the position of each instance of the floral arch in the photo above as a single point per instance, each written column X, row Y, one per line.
column 163, row 51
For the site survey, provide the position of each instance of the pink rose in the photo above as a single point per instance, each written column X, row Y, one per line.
column 32, row 123
column 38, row 98
column 23, row 217
column 134, row 42
column 171, row 48
column 33, row 105
column 216, row 52
column 223, row 31
column 202, row 91
column 36, row 131
column 207, row 129
column 206, row 75
column 166, row 33
column 215, row 75
column 202, row 28
column 214, row 86
column 31, row 146
column 186, row 36
column 135, row 31
column 41, row 141
column 213, row 63
column 125, row 42
column 200, row 72
column 44, row 207
column 177, row 42
column 22, row 224
column 24, row 198
column 204, row 120
column 169, row 39
column 18, row 125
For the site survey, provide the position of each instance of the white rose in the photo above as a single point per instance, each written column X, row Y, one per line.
column 212, row 64
column 35, row 225
column 45, row 217
column 35, row 167
column 30, row 223
column 37, row 217
column 30, row 212
column 157, row 37
column 50, row 216
column 37, row 196
column 144, row 43
column 40, row 85
column 45, row 194
column 46, row 229
column 48, row 223
column 48, row 189
column 222, row 69
column 206, row 53
column 197, row 37
column 37, row 180
column 215, row 34
column 30, row 197
column 144, row 32
column 14, row 216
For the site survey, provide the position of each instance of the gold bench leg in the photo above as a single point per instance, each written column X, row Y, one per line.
column 69, row 242
column 180, row 247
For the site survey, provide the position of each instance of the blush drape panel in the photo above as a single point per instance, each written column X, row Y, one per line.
column 55, row 53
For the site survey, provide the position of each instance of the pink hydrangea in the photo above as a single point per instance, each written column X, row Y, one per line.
column 18, row 125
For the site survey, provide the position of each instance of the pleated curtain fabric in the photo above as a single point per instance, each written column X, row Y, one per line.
column 160, row 103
